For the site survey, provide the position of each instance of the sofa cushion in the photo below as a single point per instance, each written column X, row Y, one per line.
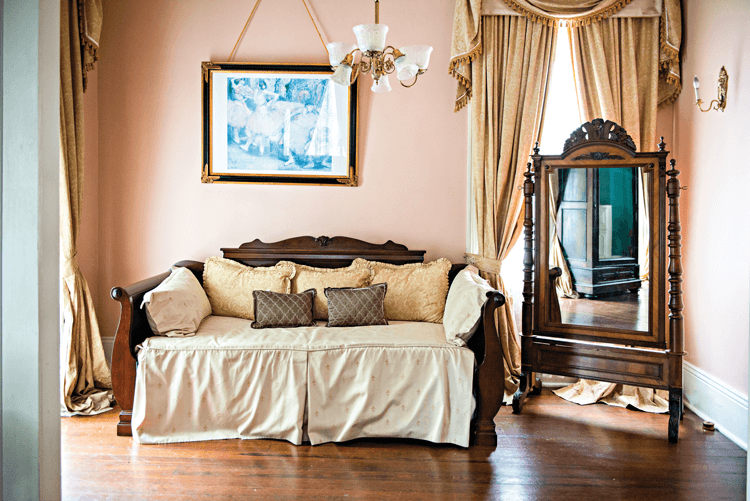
column 177, row 306
column 273, row 309
column 309, row 277
column 463, row 308
column 416, row 291
column 230, row 285
column 349, row 307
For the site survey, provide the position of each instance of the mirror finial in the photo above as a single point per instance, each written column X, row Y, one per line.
column 662, row 144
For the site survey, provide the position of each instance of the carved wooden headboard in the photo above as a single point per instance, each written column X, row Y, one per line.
column 323, row 252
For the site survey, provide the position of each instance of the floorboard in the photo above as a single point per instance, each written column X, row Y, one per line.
column 554, row 450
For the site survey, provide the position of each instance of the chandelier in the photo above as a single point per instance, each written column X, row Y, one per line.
column 408, row 62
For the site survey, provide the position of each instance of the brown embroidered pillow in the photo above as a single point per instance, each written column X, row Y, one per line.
column 274, row 309
column 349, row 307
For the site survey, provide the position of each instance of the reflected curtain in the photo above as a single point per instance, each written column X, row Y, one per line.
column 508, row 86
column 85, row 375
column 563, row 283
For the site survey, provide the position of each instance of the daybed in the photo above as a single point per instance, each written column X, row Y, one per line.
column 315, row 384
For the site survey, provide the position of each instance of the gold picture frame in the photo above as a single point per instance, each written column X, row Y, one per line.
column 278, row 124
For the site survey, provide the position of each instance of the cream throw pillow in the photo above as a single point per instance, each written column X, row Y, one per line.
column 308, row 277
column 177, row 306
column 230, row 285
column 416, row 291
column 463, row 308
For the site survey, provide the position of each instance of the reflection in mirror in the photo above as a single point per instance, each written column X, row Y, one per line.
column 599, row 247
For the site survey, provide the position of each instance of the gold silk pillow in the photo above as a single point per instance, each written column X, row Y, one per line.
column 416, row 291
column 229, row 285
column 308, row 277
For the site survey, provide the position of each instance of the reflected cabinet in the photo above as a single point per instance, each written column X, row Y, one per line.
column 602, row 266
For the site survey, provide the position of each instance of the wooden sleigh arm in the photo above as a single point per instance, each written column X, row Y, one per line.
column 489, row 379
column 132, row 330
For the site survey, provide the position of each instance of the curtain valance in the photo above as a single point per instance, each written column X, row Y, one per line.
column 572, row 12
column 90, row 29
column 467, row 39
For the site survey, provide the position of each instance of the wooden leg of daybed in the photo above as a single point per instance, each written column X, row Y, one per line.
column 483, row 434
column 123, row 364
column 123, row 427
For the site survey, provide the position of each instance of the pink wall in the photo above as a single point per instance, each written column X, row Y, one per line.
column 711, row 151
column 153, row 209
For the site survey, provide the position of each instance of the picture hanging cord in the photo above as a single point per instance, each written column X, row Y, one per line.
column 231, row 56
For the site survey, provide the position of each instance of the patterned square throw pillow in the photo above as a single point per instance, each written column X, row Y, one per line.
column 350, row 307
column 274, row 309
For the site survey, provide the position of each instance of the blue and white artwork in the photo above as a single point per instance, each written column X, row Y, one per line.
column 280, row 124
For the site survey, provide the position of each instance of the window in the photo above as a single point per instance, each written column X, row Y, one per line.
column 561, row 117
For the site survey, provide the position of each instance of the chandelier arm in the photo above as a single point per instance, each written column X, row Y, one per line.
column 415, row 80
column 355, row 74
column 365, row 63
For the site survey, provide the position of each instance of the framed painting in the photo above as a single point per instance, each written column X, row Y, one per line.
column 278, row 124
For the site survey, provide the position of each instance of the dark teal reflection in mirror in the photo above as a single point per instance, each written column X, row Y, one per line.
column 598, row 221
column 617, row 213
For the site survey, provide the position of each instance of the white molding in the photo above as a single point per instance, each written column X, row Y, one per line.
column 108, row 344
column 712, row 400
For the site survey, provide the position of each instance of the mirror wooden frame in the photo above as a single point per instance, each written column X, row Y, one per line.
column 649, row 359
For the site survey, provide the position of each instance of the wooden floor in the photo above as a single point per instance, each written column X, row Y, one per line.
column 554, row 450
column 627, row 311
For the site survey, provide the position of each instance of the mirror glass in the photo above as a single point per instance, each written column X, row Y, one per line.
column 599, row 247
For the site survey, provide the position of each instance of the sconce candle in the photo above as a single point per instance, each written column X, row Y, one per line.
column 697, row 86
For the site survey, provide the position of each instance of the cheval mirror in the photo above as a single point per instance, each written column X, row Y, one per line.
column 599, row 209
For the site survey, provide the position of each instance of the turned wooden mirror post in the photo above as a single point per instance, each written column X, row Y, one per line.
column 597, row 210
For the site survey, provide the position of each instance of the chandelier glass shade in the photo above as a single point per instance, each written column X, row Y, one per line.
column 374, row 56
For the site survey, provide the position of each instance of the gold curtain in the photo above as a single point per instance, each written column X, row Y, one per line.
column 509, row 84
column 465, row 47
column 578, row 13
column 85, row 376
column 616, row 67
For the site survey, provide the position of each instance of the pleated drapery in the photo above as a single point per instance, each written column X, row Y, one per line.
column 85, row 375
column 509, row 83
column 576, row 13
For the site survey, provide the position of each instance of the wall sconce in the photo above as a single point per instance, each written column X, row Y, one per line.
column 721, row 103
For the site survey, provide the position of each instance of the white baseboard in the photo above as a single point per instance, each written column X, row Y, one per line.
column 108, row 343
column 713, row 400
